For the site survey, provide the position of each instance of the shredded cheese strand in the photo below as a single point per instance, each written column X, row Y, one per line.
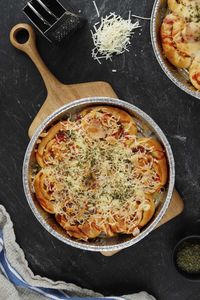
column 97, row 10
column 112, row 36
column 139, row 17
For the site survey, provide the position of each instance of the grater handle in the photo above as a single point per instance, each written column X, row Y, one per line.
column 29, row 47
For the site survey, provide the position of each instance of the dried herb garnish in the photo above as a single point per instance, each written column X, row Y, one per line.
column 188, row 257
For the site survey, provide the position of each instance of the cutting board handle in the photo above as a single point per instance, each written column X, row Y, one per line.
column 29, row 47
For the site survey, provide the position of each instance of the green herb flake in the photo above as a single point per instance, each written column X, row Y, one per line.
column 188, row 258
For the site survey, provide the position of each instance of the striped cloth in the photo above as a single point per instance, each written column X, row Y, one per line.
column 17, row 281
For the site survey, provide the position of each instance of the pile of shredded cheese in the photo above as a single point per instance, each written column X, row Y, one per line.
column 112, row 36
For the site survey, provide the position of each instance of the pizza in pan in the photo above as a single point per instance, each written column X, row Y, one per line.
column 180, row 37
column 98, row 174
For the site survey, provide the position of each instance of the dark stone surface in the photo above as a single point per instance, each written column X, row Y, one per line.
column 139, row 80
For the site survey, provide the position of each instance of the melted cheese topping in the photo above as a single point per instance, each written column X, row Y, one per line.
column 92, row 179
column 189, row 9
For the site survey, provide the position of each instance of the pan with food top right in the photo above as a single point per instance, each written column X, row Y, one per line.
column 175, row 35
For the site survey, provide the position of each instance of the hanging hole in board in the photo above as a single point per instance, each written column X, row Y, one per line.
column 22, row 36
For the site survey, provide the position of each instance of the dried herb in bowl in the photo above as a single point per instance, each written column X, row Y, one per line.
column 188, row 257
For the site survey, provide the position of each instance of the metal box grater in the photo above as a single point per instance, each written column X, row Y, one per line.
column 54, row 21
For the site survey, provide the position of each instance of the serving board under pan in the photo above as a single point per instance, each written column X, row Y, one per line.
column 59, row 94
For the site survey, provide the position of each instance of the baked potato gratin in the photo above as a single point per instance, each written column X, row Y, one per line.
column 98, row 173
column 180, row 37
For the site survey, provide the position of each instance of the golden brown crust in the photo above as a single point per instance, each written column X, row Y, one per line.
column 160, row 165
column 120, row 225
column 82, row 232
column 41, row 192
column 173, row 5
column 194, row 73
column 148, row 214
column 44, row 142
column 174, row 47
column 97, row 127
column 90, row 230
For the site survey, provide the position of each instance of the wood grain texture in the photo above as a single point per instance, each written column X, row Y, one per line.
column 64, row 94
column 59, row 94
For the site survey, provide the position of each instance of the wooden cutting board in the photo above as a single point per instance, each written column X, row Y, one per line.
column 59, row 94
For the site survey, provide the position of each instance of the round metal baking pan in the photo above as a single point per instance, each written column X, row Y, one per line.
column 178, row 76
column 48, row 221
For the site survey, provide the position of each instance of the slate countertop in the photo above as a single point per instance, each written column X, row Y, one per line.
column 138, row 80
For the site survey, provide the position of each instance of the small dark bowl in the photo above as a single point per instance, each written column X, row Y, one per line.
column 189, row 239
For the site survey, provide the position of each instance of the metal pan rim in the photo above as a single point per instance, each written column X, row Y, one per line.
column 160, row 58
column 99, row 101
